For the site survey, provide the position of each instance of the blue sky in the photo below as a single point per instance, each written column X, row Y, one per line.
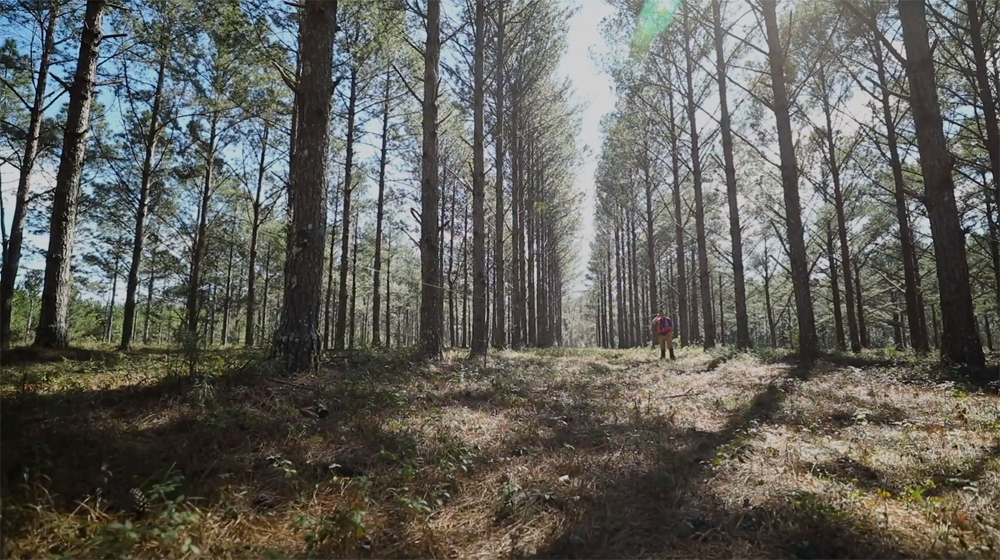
column 594, row 89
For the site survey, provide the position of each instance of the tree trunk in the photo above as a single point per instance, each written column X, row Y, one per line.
column 297, row 339
column 479, row 286
column 959, row 342
column 388, row 302
column 735, row 229
column 379, row 216
column 517, row 224
column 345, row 247
column 430, row 265
column 452, row 320
column 808, row 344
column 654, row 302
column 12, row 251
column 862, row 323
column 531, row 184
column 934, row 322
column 635, row 325
column 110, row 323
column 610, row 294
column 354, row 288
column 897, row 330
column 985, row 92
column 682, row 304
column 918, row 332
column 769, row 309
column 201, row 235
column 695, row 330
column 465, row 275
column 544, row 303
column 619, row 284
column 988, row 331
column 53, row 322
column 227, row 297
column 838, row 319
column 838, row 206
column 699, row 202
column 255, row 226
column 722, row 315
column 499, row 298
column 263, row 303
column 149, row 301
column 142, row 208
column 328, row 312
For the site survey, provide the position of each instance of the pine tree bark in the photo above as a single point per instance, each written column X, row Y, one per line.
column 297, row 340
column 15, row 244
column 654, row 302
column 610, row 294
column 544, row 303
column 735, row 229
column 693, row 321
column 388, row 299
column 430, row 266
column 638, row 338
column 340, row 331
column 452, row 317
column 465, row 275
column 53, row 321
column 201, row 234
column 110, row 320
column 918, row 331
column 684, row 327
column 255, row 225
column 149, row 301
column 989, row 107
column 499, row 298
column 862, row 322
column 479, row 286
column 517, row 222
column 838, row 316
column 619, row 292
column 531, row 184
column 699, row 202
column 768, row 308
column 328, row 311
column 808, row 343
column 959, row 341
column 838, row 205
column 354, row 289
column 227, row 296
column 142, row 206
column 380, row 215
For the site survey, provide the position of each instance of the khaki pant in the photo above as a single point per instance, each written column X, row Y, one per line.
column 666, row 342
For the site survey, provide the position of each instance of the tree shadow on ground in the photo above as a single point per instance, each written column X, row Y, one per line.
column 241, row 428
column 665, row 506
column 31, row 355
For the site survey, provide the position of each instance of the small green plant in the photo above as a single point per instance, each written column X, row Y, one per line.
column 343, row 530
column 171, row 525
column 284, row 465
column 414, row 504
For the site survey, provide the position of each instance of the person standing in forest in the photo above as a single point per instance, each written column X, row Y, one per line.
column 663, row 326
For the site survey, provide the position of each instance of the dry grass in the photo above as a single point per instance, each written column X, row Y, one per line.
column 541, row 454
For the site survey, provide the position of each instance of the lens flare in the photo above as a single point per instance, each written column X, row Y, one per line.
column 655, row 16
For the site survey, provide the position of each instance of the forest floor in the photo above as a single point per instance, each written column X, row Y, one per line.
column 537, row 454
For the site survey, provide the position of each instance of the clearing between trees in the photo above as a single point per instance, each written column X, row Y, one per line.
column 558, row 453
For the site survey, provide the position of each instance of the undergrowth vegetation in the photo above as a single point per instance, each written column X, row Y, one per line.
column 541, row 453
